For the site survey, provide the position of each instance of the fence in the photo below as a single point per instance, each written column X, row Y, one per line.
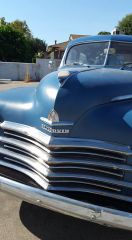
column 26, row 71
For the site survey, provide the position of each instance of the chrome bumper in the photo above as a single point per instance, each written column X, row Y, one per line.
column 78, row 209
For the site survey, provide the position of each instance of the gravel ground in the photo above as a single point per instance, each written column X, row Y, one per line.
column 23, row 221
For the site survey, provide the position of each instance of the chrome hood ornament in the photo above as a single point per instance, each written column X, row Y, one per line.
column 53, row 116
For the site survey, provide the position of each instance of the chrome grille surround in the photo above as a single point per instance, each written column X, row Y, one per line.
column 66, row 164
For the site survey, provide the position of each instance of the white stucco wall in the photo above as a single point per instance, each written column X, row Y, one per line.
column 21, row 71
column 44, row 68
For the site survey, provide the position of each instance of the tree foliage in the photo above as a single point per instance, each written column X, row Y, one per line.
column 104, row 33
column 12, row 44
column 2, row 21
column 125, row 25
column 22, row 27
column 17, row 42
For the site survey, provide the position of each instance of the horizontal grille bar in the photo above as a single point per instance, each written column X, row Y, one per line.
column 87, row 166
column 54, row 174
column 38, row 179
column 66, row 152
column 48, row 141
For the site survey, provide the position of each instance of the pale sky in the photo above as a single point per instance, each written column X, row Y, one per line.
column 56, row 19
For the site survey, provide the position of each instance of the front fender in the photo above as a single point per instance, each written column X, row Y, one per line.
column 26, row 105
column 16, row 104
column 110, row 122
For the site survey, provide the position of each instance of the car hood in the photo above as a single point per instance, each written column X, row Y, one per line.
column 81, row 91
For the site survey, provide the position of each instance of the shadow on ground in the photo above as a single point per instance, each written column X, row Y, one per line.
column 47, row 225
column 2, row 82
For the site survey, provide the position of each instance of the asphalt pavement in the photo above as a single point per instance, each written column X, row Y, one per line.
column 23, row 221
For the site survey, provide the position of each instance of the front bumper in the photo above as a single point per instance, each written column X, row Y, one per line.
column 78, row 209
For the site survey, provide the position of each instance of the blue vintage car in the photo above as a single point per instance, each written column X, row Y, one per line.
column 66, row 144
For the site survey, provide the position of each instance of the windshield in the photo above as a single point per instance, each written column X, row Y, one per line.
column 119, row 54
column 88, row 54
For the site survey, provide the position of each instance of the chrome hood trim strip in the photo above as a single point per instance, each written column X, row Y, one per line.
column 78, row 209
column 53, row 124
column 121, row 98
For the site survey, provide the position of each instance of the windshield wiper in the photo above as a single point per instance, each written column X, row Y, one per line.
column 126, row 65
column 78, row 64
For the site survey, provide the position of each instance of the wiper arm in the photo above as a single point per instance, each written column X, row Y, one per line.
column 125, row 65
column 78, row 64
column 74, row 63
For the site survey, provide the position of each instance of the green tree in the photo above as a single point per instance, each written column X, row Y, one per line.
column 125, row 25
column 22, row 27
column 12, row 44
column 104, row 33
column 17, row 42
column 35, row 48
column 2, row 21
column 38, row 46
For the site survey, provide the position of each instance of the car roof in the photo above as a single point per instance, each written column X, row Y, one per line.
column 120, row 38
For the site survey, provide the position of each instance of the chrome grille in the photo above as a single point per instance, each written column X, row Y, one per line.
column 96, row 168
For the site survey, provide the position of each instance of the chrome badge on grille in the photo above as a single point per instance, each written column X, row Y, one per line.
column 53, row 125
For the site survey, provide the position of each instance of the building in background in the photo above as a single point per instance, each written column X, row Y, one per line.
column 56, row 50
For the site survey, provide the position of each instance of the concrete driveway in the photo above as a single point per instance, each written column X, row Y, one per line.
column 13, row 84
column 23, row 221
